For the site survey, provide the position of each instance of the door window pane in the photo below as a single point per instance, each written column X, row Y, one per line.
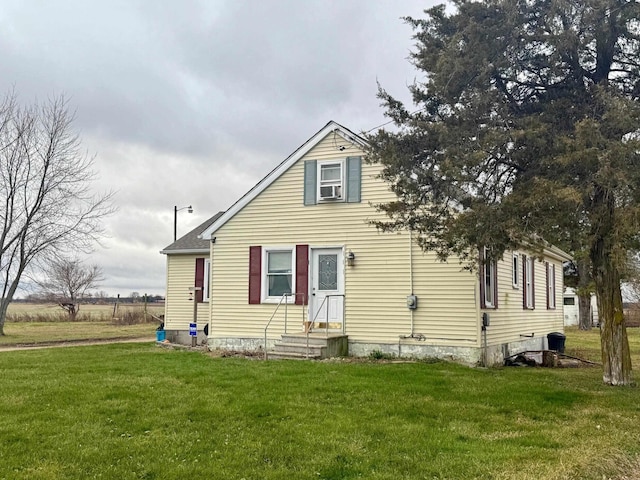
column 328, row 272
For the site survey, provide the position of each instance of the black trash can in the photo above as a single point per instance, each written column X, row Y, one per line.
column 556, row 341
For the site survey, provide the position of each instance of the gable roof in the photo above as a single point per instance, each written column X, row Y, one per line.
column 192, row 242
column 331, row 127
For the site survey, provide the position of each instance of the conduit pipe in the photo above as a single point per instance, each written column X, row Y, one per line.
column 411, row 275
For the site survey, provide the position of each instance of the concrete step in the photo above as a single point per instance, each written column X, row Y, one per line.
column 292, row 356
column 295, row 346
column 314, row 338
column 290, row 347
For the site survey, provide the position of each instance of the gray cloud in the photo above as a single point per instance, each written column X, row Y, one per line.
column 192, row 102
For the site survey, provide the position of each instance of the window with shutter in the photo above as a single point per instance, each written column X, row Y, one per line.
column 331, row 181
column 275, row 271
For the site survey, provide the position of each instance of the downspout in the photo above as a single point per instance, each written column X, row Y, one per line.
column 411, row 275
column 412, row 333
column 210, row 332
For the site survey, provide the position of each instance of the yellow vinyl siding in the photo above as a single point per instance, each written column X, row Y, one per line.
column 447, row 306
column 178, row 308
column 375, row 288
column 510, row 321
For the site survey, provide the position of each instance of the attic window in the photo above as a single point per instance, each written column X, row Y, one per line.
column 335, row 180
column 331, row 179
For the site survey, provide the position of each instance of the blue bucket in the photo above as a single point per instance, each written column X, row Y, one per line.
column 160, row 335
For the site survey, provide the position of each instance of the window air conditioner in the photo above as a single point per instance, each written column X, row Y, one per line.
column 330, row 192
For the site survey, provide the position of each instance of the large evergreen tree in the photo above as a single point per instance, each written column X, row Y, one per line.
column 526, row 130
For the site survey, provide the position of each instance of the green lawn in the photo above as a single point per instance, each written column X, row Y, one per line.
column 144, row 412
column 33, row 333
column 49, row 312
column 30, row 324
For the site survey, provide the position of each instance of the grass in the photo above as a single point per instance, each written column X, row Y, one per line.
column 587, row 344
column 33, row 333
column 48, row 312
column 30, row 324
column 143, row 412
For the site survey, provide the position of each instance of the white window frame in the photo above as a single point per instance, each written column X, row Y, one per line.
column 515, row 270
column 206, row 280
column 489, row 285
column 551, row 286
column 529, row 283
column 341, row 183
column 265, row 273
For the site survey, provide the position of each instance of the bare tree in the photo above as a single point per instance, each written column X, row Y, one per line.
column 47, row 207
column 68, row 281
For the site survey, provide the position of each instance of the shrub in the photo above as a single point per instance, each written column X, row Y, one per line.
column 380, row 355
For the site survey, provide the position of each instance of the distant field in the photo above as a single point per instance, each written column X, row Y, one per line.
column 32, row 324
column 38, row 333
column 40, row 312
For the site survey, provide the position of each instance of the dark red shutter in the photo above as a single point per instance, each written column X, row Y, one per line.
column 199, row 281
column 546, row 264
column 525, row 268
column 302, row 274
column 255, row 274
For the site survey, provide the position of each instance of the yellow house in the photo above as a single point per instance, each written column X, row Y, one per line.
column 187, row 296
column 296, row 268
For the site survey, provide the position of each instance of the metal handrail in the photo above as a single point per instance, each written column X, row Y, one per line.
column 266, row 327
column 320, row 308
column 327, row 317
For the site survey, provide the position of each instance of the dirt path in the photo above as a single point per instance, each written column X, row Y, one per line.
column 75, row 343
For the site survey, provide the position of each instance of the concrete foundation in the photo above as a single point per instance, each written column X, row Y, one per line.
column 468, row 355
column 240, row 344
column 182, row 337
column 422, row 350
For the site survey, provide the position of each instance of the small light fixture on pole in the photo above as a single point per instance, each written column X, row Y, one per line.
column 175, row 219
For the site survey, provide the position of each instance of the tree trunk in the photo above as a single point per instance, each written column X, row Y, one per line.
column 616, row 357
column 583, row 290
column 4, row 305
column 10, row 287
column 584, row 311
column 71, row 310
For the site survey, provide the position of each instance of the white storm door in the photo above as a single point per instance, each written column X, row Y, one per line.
column 327, row 288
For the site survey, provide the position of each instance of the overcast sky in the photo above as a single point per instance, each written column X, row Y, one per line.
column 192, row 102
